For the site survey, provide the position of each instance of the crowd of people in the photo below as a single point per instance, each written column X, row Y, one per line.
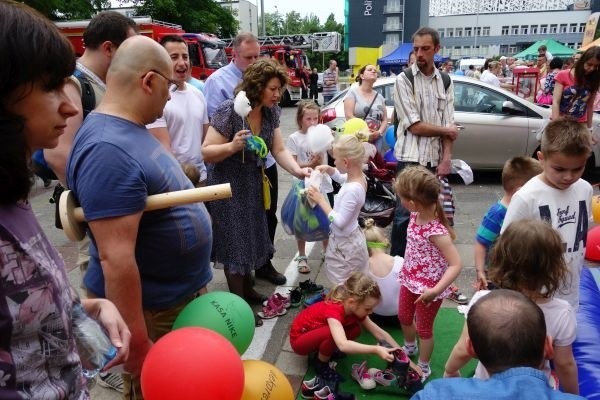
column 125, row 121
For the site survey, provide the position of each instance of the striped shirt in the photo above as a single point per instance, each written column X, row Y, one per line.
column 430, row 103
column 330, row 80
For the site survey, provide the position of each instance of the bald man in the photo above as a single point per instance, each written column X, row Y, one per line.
column 149, row 264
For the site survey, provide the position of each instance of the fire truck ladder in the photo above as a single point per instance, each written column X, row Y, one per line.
column 299, row 41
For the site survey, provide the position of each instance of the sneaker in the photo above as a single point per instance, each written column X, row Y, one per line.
column 413, row 382
column 384, row 378
column 362, row 376
column 410, row 349
column 327, row 373
column 296, row 297
column 324, row 394
column 399, row 366
column 309, row 287
column 268, row 273
column 110, row 380
column 426, row 371
column 456, row 296
column 315, row 298
column 309, row 387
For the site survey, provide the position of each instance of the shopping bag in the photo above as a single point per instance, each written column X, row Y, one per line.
column 300, row 219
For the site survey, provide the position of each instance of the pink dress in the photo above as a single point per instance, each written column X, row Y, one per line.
column 424, row 263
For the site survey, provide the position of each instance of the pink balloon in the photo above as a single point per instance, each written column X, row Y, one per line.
column 190, row 364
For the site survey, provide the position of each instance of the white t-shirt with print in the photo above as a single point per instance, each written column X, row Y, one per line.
column 297, row 144
column 568, row 212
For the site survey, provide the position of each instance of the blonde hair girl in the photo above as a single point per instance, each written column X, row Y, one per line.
column 334, row 324
column 383, row 269
column 347, row 249
column 431, row 261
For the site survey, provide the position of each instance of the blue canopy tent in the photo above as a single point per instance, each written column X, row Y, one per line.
column 398, row 59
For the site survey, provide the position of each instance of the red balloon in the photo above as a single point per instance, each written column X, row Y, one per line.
column 592, row 246
column 190, row 364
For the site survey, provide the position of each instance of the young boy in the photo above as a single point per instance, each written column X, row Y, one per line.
column 559, row 196
column 515, row 173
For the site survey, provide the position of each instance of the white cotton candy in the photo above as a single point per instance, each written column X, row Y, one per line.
column 241, row 104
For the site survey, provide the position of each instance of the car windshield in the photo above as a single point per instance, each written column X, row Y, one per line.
column 215, row 57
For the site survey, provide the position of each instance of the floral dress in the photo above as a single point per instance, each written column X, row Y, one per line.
column 240, row 234
column 424, row 263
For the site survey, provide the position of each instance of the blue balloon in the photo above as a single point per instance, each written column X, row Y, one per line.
column 390, row 137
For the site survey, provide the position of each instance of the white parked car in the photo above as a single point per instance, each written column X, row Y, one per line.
column 496, row 124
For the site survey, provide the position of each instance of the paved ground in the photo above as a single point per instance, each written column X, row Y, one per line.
column 270, row 342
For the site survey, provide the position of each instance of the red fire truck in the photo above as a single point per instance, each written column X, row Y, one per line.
column 207, row 52
column 289, row 51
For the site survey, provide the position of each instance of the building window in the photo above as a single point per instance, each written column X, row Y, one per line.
column 543, row 29
column 512, row 49
column 450, row 32
column 514, row 30
column 478, row 31
column 534, row 29
column 442, row 33
column 393, row 6
column 505, row 30
column 486, row 31
column 553, row 28
column 563, row 28
column 573, row 28
column 392, row 38
column 392, row 23
column 581, row 28
column 459, row 32
column 468, row 32
column 524, row 29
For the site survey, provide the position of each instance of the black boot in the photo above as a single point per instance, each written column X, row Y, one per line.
column 237, row 284
column 269, row 273
column 250, row 294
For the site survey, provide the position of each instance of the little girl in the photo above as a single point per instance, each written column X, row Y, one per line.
column 307, row 116
column 334, row 324
column 347, row 249
column 528, row 258
column 383, row 269
column 431, row 262
column 576, row 88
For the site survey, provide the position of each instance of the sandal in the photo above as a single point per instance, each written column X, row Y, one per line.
column 303, row 266
column 278, row 299
column 272, row 310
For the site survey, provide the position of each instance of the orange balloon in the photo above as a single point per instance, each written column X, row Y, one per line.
column 596, row 208
column 265, row 381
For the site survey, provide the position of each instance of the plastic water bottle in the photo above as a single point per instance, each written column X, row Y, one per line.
column 93, row 344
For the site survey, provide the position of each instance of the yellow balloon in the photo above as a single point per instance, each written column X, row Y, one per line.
column 354, row 125
column 596, row 208
column 263, row 381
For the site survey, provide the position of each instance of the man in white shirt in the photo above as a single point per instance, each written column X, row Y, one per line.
column 184, row 122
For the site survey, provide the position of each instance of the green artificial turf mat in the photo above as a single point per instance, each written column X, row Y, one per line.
column 447, row 328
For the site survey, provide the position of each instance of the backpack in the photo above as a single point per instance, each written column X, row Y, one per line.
column 88, row 97
column 88, row 103
column 411, row 78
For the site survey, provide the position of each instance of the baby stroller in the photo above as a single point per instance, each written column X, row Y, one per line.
column 380, row 201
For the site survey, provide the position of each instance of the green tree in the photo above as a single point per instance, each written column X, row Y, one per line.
column 293, row 23
column 193, row 15
column 68, row 9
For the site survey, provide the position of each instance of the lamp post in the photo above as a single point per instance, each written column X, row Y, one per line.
column 277, row 21
column 262, row 17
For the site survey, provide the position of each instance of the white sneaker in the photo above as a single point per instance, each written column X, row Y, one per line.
column 426, row 371
column 410, row 350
